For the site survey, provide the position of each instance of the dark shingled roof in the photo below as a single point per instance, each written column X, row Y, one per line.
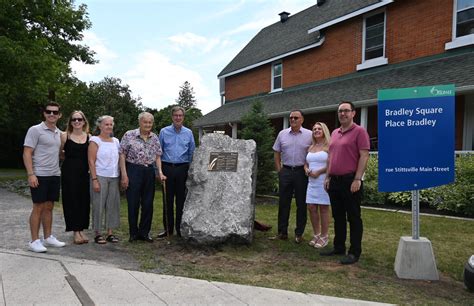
column 454, row 67
column 280, row 38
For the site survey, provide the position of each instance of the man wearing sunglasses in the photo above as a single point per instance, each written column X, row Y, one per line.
column 348, row 156
column 41, row 159
column 290, row 149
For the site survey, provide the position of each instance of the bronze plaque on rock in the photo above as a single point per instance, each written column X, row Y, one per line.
column 223, row 161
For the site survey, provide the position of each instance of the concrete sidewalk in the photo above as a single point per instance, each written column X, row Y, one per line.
column 93, row 275
column 28, row 278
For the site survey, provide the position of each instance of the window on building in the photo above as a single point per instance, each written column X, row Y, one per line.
column 463, row 24
column 373, row 44
column 277, row 73
column 465, row 18
column 374, row 36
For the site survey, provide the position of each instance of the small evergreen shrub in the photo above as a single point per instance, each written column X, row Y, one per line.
column 256, row 126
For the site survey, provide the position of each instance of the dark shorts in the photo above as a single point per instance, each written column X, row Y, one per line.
column 48, row 189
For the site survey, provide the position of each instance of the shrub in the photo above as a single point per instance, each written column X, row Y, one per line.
column 457, row 197
column 256, row 126
column 371, row 194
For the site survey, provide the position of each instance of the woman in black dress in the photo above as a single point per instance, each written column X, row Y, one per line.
column 75, row 176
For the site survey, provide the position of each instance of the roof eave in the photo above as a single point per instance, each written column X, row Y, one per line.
column 270, row 60
column 351, row 15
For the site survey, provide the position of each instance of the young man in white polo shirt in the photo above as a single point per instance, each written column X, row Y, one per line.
column 41, row 159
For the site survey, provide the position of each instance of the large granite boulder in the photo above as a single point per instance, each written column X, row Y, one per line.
column 220, row 203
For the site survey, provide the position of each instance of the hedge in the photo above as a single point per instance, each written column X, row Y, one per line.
column 457, row 197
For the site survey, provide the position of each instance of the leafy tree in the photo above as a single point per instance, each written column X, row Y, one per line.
column 256, row 126
column 186, row 97
column 38, row 39
column 163, row 118
column 111, row 97
column 191, row 115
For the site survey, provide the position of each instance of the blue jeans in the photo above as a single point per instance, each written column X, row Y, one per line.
column 140, row 193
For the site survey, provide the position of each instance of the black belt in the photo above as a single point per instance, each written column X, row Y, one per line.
column 293, row 167
column 174, row 164
column 139, row 165
column 342, row 177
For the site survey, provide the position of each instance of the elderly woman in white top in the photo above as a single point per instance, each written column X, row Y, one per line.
column 103, row 158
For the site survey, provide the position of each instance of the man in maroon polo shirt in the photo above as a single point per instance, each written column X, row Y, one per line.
column 348, row 156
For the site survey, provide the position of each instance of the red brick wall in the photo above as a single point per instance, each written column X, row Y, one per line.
column 338, row 55
column 248, row 83
column 410, row 35
column 415, row 28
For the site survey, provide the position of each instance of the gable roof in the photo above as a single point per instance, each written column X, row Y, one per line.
column 281, row 38
column 454, row 67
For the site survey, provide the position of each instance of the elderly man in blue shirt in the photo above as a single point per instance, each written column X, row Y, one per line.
column 177, row 144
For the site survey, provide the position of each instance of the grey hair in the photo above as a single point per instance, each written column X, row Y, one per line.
column 100, row 119
column 145, row 114
column 177, row 108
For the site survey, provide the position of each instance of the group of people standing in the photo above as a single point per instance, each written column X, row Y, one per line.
column 323, row 170
column 93, row 170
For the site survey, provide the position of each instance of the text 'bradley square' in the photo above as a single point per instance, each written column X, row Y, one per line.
column 417, row 111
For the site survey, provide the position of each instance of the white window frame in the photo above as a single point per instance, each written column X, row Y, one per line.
column 458, row 42
column 273, row 89
column 379, row 61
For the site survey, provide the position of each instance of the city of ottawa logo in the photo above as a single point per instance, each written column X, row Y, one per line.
column 440, row 92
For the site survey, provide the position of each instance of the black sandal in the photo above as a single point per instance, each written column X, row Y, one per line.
column 112, row 238
column 99, row 239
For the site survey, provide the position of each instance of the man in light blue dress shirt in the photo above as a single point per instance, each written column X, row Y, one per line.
column 177, row 144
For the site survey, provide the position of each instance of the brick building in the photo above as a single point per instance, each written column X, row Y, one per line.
column 346, row 50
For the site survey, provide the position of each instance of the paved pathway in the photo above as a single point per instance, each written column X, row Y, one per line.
column 68, row 276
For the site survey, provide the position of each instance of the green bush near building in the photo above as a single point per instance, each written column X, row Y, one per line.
column 457, row 197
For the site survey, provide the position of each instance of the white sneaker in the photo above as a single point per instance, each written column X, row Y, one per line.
column 52, row 241
column 36, row 246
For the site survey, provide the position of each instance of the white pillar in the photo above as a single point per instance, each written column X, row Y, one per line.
column 201, row 133
column 364, row 114
column 286, row 123
column 234, row 130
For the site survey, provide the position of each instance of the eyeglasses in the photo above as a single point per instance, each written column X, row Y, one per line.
column 294, row 118
column 77, row 119
column 51, row 112
column 345, row 111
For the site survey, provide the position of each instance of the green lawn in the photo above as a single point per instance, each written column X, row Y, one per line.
column 286, row 265
column 10, row 174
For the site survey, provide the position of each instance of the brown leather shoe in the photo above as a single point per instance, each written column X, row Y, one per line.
column 298, row 239
column 258, row 226
column 279, row 237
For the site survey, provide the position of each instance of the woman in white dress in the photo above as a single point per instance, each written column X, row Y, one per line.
column 317, row 198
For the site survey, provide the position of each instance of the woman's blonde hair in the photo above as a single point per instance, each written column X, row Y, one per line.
column 85, row 127
column 327, row 136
